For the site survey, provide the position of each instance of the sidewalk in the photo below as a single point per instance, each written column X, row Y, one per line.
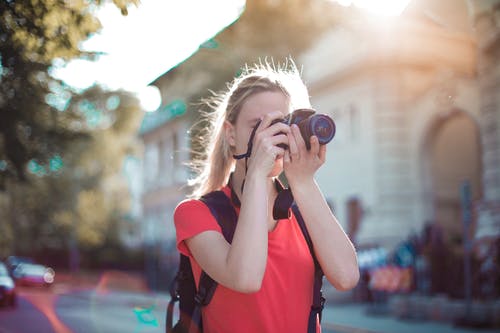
column 356, row 317
column 339, row 316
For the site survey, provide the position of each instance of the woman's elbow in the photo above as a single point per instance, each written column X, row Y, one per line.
column 251, row 283
column 347, row 281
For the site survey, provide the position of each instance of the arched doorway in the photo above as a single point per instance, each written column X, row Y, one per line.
column 453, row 152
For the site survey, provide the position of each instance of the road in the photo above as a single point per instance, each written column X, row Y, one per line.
column 82, row 311
column 65, row 310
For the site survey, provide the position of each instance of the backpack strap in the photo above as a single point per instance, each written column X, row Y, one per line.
column 318, row 300
column 184, row 280
column 222, row 209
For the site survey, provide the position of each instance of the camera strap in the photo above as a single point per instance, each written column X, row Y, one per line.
column 246, row 155
column 249, row 147
column 282, row 203
column 284, row 199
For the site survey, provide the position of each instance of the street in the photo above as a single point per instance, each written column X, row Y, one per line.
column 91, row 309
column 85, row 311
column 88, row 310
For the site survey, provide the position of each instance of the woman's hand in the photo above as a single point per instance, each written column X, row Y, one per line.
column 301, row 164
column 265, row 148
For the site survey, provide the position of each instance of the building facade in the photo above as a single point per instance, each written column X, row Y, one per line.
column 417, row 108
column 409, row 96
column 166, row 151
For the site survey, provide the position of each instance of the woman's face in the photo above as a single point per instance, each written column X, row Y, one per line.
column 253, row 109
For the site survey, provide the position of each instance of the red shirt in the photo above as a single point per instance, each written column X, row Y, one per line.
column 284, row 301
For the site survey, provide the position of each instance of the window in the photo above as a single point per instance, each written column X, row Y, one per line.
column 151, row 163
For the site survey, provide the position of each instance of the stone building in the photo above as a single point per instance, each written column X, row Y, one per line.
column 416, row 100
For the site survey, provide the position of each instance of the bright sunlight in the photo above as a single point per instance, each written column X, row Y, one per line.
column 378, row 7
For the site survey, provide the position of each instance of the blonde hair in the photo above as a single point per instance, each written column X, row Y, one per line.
column 214, row 167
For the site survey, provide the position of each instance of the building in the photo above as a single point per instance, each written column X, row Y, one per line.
column 415, row 119
column 166, row 151
column 416, row 104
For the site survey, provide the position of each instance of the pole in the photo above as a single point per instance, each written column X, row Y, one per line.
column 465, row 192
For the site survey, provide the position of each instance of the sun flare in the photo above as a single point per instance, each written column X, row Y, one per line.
column 378, row 7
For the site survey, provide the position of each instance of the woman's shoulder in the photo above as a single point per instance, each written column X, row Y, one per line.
column 192, row 216
column 197, row 203
column 188, row 206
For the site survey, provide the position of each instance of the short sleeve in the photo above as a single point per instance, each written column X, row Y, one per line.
column 192, row 217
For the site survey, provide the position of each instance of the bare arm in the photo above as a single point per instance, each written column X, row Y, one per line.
column 241, row 265
column 334, row 250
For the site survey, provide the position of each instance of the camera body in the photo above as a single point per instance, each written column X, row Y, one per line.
column 310, row 123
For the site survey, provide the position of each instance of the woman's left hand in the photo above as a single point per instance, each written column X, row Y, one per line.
column 301, row 164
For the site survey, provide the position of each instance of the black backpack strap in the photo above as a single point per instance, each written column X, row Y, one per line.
column 184, row 280
column 318, row 299
column 222, row 209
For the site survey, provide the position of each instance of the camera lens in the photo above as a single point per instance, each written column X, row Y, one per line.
column 323, row 127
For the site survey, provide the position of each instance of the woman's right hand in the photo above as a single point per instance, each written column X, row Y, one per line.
column 265, row 150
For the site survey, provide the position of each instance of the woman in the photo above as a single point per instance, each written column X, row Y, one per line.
column 265, row 275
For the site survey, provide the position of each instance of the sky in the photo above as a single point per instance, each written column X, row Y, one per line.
column 157, row 35
column 151, row 39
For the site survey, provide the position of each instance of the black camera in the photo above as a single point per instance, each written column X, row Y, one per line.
column 310, row 123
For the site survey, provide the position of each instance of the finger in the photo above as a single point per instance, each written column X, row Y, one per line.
column 278, row 152
column 301, row 145
column 286, row 157
column 314, row 142
column 275, row 129
column 322, row 153
column 292, row 147
column 273, row 136
column 278, row 139
column 269, row 118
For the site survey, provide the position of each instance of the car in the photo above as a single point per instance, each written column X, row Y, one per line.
column 13, row 261
column 26, row 274
column 8, row 295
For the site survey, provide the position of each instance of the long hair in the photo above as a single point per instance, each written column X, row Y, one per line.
column 214, row 166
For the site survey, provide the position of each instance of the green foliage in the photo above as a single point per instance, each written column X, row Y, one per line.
column 82, row 193
column 60, row 151
column 34, row 122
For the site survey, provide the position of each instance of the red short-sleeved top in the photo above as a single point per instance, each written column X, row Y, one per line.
column 284, row 301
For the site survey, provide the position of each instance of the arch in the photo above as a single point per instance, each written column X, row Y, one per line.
column 450, row 153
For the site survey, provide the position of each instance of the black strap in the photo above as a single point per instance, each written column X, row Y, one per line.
column 221, row 208
column 318, row 299
column 183, row 281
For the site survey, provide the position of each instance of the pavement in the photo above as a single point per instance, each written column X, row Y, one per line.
column 337, row 317
column 360, row 318
column 341, row 315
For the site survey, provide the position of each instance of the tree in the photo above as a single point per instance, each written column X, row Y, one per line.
column 33, row 115
column 78, row 201
column 41, row 130
column 100, row 194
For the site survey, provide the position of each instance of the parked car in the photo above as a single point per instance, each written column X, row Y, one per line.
column 8, row 295
column 26, row 274
column 13, row 261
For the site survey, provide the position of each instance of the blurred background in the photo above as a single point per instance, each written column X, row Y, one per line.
column 90, row 173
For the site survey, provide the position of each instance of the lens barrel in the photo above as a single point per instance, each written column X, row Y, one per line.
column 309, row 123
column 320, row 125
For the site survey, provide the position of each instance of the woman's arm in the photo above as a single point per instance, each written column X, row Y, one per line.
column 335, row 252
column 241, row 265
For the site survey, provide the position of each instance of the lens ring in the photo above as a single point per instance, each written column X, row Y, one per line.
column 323, row 127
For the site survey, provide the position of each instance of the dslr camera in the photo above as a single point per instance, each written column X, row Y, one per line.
column 310, row 123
